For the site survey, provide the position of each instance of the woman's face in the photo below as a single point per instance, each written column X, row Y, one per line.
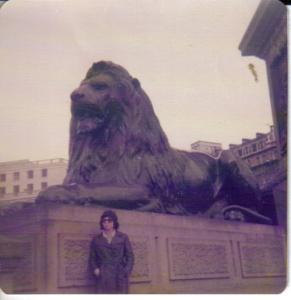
column 107, row 224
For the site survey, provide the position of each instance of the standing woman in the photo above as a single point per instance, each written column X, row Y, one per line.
column 111, row 257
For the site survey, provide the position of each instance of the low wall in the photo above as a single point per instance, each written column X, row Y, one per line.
column 173, row 254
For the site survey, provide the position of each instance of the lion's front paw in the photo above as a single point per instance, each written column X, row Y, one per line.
column 58, row 193
column 153, row 205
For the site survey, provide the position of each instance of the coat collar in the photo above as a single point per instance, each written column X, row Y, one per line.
column 117, row 238
column 109, row 237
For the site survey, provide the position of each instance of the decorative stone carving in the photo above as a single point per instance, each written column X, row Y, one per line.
column 24, row 277
column 10, row 254
column 259, row 260
column 194, row 259
column 73, row 260
column 141, row 270
column 8, row 265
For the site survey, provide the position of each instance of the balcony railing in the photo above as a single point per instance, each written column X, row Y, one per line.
column 50, row 161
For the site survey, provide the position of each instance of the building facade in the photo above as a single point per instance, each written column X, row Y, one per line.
column 22, row 180
column 260, row 154
column 213, row 149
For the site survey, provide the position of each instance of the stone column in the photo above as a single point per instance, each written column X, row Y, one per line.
column 266, row 38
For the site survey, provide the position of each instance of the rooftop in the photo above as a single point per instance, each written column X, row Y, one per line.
column 35, row 162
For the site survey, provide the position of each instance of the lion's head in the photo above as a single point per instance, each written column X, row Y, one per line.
column 111, row 115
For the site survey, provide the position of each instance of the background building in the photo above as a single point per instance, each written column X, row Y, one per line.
column 22, row 180
column 210, row 148
column 260, row 154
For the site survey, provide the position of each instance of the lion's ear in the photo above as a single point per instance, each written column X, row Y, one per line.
column 135, row 83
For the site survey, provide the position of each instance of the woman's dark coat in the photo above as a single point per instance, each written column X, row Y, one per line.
column 115, row 261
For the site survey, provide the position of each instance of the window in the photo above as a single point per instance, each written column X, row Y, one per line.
column 261, row 145
column 43, row 185
column 30, row 188
column 16, row 175
column 254, row 146
column 44, row 173
column 2, row 191
column 240, row 152
column 2, row 177
column 16, row 189
column 251, row 162
column 30, row 174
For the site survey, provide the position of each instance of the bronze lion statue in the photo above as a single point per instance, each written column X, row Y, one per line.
column 120, row 157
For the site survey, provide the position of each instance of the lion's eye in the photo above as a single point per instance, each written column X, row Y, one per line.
column 99, row 86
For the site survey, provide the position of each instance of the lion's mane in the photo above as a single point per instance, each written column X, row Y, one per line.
column 119, row 145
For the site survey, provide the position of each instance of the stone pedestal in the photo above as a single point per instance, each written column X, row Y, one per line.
column 173, row 254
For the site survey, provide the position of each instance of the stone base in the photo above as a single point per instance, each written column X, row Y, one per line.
column 173, row 254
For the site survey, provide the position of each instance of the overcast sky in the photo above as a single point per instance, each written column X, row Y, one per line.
column 184, row 53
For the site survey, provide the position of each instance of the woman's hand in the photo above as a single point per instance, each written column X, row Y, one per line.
column 97, row 272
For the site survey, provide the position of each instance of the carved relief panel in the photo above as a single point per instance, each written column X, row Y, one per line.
column 262, row 260
column 142, row 267
column 25, row 274
column 194, row 259
column 73, row 251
